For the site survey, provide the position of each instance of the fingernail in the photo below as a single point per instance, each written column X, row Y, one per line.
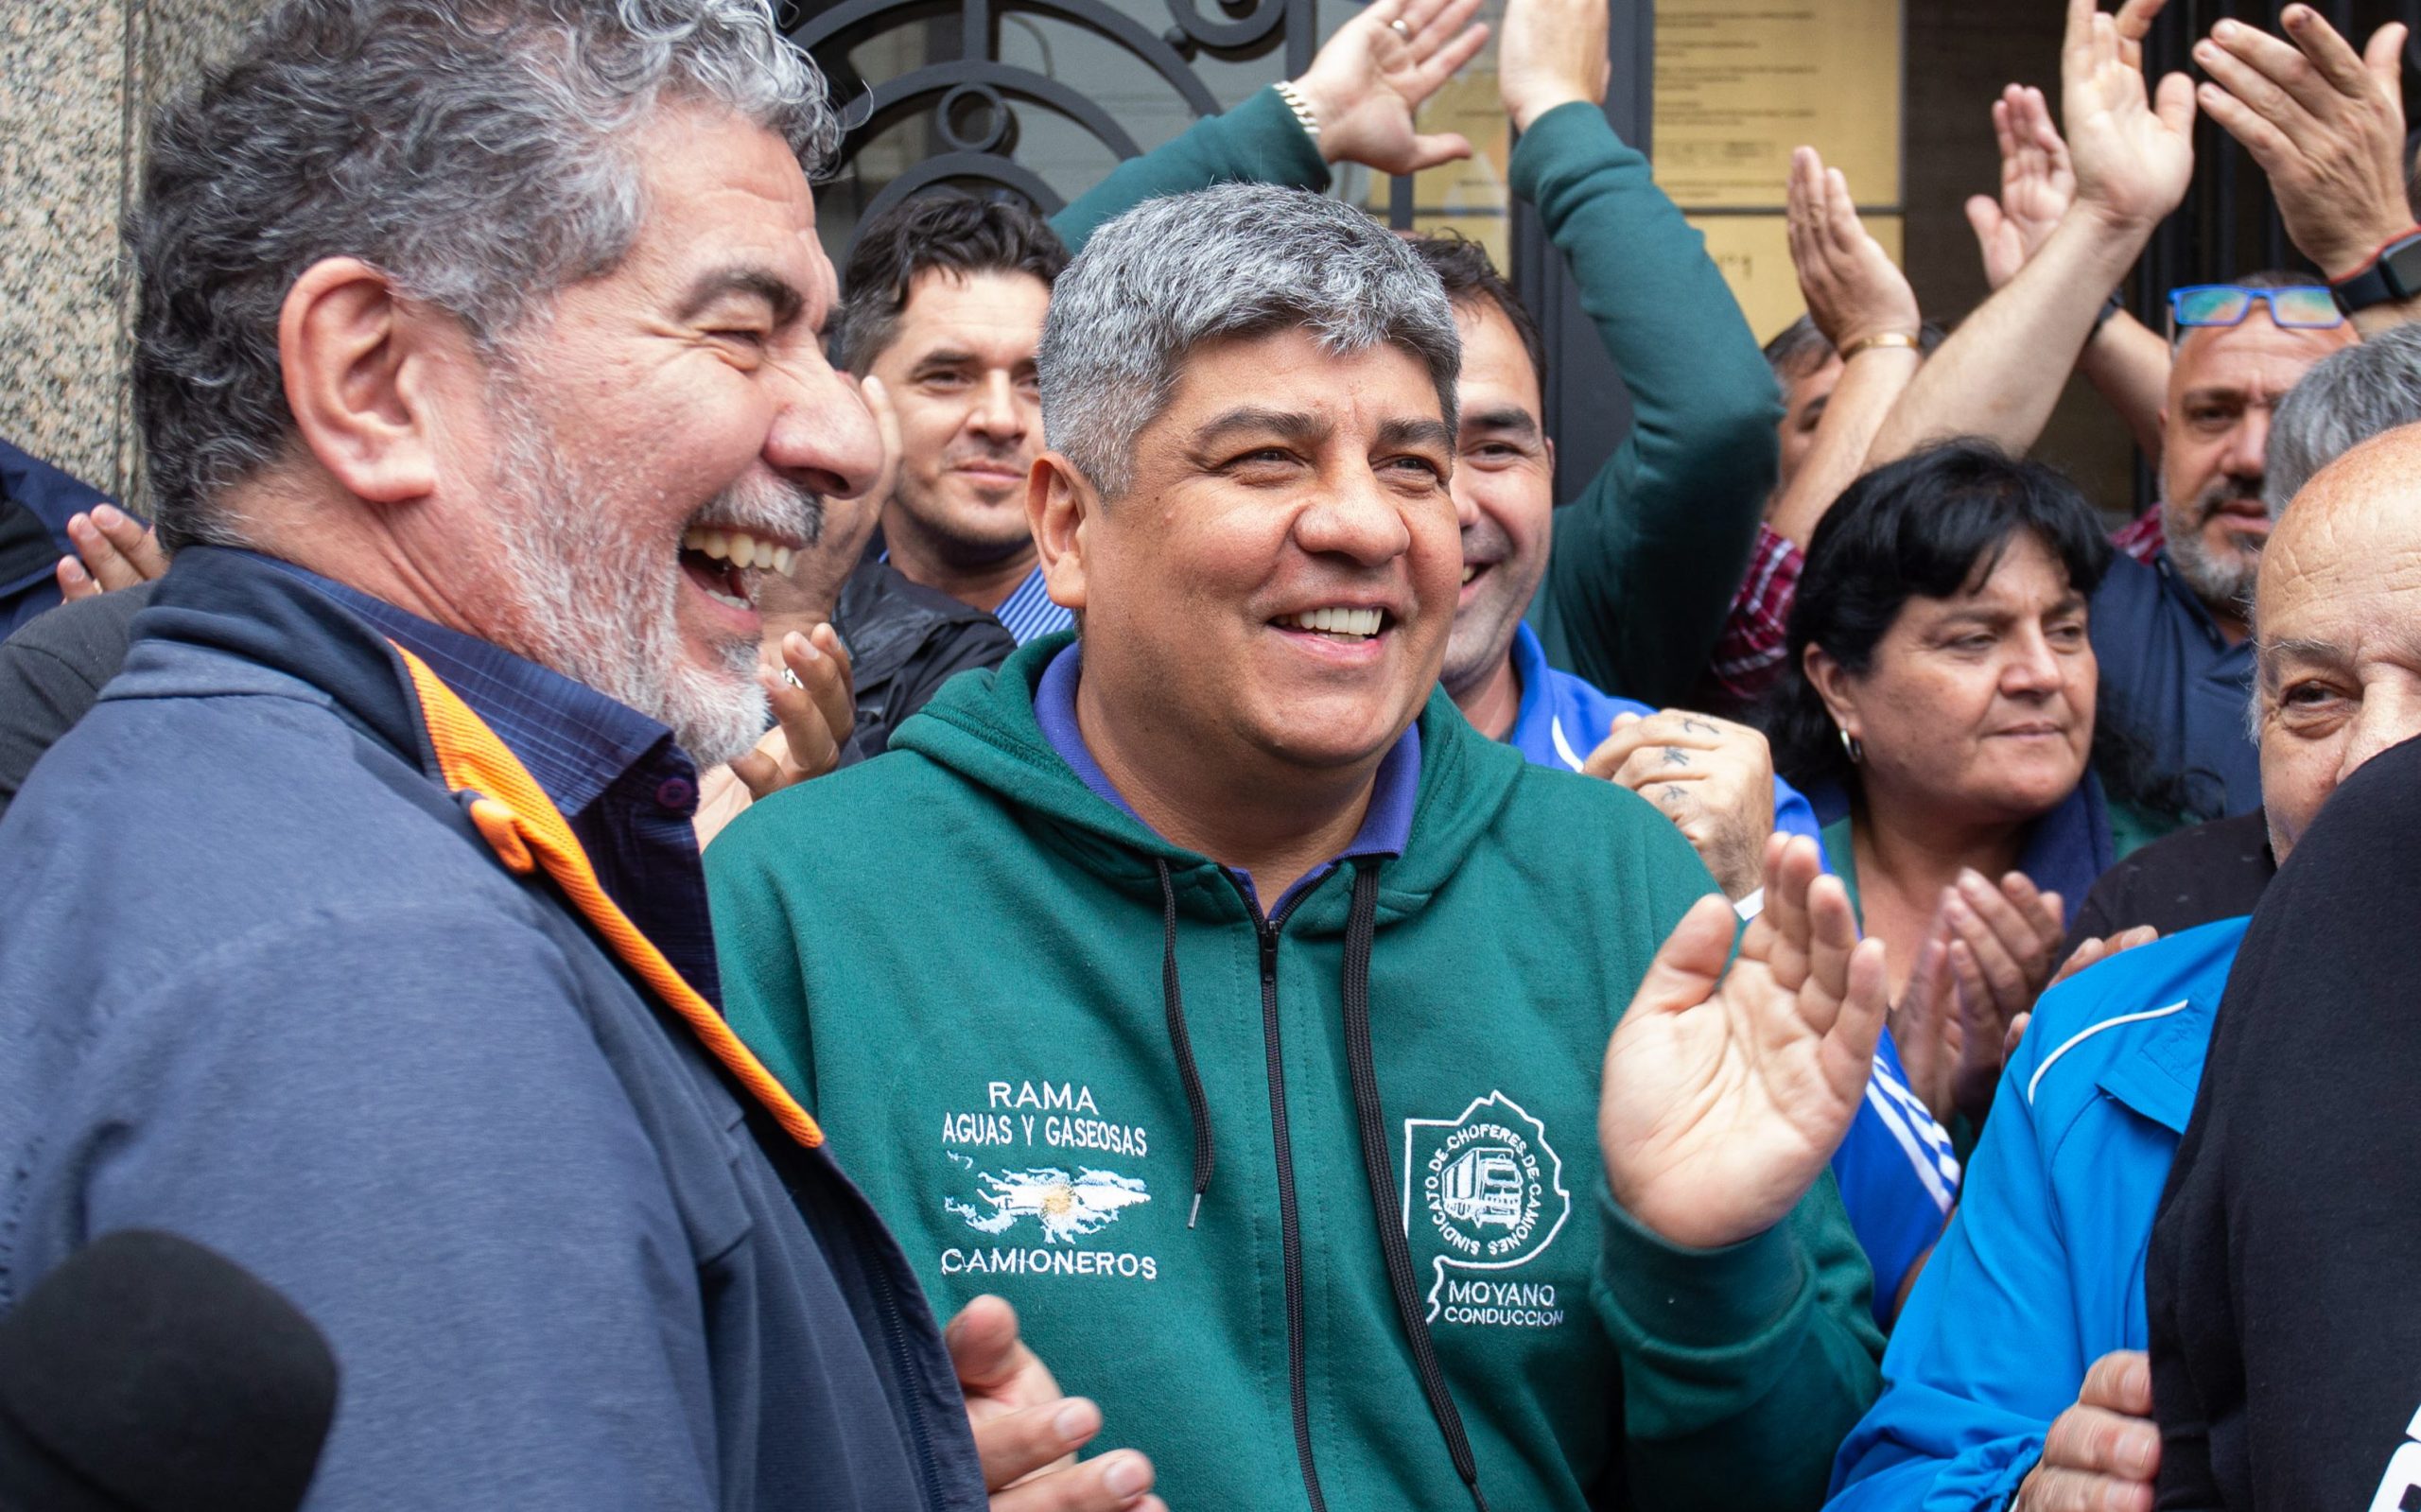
column 2226, row 30
column 104, row 514
column 802, row 647
column 72, row 568
column 1077, row 1421
column 1126, row 1476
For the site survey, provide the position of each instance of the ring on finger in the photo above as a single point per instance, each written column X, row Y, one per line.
column 1403, row 33
column 792, row 678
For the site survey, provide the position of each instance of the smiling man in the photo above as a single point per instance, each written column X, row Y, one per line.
column 1263, row 1059
column 359, row 932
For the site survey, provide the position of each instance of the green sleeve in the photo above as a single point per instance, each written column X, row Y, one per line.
column 1648, row 556
column 1258, row 141
column 1743, row 1367
column 764, row 983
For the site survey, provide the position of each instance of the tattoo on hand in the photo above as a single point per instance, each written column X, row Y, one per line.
column 1691, row 726
column 1676, row 756
column 1676, row 793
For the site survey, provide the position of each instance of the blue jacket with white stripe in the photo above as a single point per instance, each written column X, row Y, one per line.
column 1896, row 1169
column 2042, row 1272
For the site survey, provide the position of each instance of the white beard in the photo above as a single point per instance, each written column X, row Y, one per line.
column 600, row 603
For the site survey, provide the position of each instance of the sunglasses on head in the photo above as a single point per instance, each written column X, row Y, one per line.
column 2306, row 307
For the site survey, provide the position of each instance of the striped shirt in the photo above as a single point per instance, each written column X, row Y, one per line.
column 1028, row 610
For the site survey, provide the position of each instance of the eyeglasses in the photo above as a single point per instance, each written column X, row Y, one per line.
column 2305, row 307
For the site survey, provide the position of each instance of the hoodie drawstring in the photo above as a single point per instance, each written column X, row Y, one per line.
column 1173, row 1003
column 1361, row 929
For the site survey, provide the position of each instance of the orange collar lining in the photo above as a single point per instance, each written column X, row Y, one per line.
column 526, row 830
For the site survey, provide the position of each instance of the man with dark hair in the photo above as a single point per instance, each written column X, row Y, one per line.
column 943, row 303
column 1651, row 544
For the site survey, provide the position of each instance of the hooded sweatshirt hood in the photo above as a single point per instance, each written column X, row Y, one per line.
column 984, row 728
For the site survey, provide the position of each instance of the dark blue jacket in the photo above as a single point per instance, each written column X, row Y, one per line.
column 262, row 983
column 2174, row 687
column 36, row 501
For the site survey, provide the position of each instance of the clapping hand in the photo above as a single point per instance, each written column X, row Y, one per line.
column 1726, row 1091
column 1552, row 53
column 2102, row 1455
column 1368, row 82
column 1852, row 288
column 114, row 551
column 2325, row 125
column 1027, row 1433
column 1713, row 778
column 2038, row 183
column 2132, row 147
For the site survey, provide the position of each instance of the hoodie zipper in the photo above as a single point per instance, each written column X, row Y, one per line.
column 1290, row 1230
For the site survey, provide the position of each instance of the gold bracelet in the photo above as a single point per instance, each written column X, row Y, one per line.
column 1899, row 338
column 1302, row 109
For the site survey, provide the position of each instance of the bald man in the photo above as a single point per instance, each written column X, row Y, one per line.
column 2017, row 1364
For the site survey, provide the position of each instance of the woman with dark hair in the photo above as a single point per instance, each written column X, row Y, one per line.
column 1938, row 709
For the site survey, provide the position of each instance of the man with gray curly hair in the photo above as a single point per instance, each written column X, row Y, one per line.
column 1263, row 1058
column 359, row 932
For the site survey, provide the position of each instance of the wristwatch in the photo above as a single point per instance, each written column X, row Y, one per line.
column 2392, row 275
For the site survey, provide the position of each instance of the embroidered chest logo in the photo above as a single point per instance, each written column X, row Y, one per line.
column 1064, row 1208
column 1013, row 1159
column 1489, row 1187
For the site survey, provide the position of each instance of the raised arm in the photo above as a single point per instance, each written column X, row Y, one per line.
column 1647, row 555
column 1862, row 303
column 1363, row 90
column 2000, row 372
column 2326, row 125
column 2125, row 361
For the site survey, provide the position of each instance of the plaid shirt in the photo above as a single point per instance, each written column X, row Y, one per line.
column 1748, row 654
column 2140, row 537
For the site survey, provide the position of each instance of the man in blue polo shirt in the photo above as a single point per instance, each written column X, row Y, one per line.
column 1713, row 778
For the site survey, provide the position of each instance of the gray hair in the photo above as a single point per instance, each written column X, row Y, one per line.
column 474, row 151
column 2345, row 399
column 1238, row 260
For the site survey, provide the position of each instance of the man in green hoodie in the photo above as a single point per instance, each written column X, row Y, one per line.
column 1211, row 990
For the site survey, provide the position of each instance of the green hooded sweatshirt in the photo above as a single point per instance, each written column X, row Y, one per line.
column 1040, row 1036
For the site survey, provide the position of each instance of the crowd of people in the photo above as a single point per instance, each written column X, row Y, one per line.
column 677, row 878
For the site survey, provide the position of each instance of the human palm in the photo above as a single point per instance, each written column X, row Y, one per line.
column 1726, row 1092
column 1370, row 80
column 2133, row 149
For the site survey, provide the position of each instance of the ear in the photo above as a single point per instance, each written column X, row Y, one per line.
column 1832, row 684
column 1059, row 509
column 1550, row 458
column 354, row 357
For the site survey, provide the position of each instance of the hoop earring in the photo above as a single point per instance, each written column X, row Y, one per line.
column 1850, row 747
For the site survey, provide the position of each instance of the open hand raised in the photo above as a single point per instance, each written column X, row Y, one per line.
column 1727, row 1092
column 1367, row 84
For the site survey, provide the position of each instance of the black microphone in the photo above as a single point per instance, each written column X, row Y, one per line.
column 147, row 1374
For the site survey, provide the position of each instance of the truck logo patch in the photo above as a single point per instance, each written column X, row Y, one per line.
column 1491, row 1188
column 1066, row 1208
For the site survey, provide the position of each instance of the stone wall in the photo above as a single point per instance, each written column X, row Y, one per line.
column 77, row 78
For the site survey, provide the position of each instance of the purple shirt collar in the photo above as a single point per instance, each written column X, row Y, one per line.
column 1387, row 827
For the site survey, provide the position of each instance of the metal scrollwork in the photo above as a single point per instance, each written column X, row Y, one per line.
column 970, row 95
